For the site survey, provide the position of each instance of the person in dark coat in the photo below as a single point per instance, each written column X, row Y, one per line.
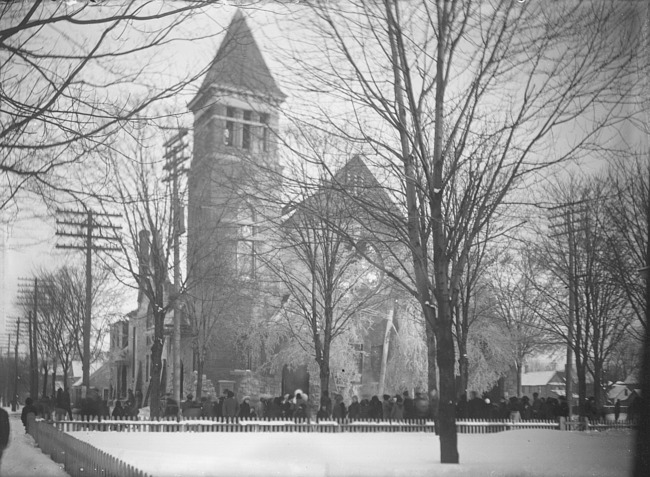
column 354, row 409
column 245, row 407
column 28, row 409
column 409, row 409
column 617, row 410
column 386, row 406
column 397, row 408
column 376, row 409
column 4, row 431
column 118, row 410
column 536, row 406
column 421, row 405
column 364, row 409
column 207, row 407
column 230, row 406
column 339, row 410
column 322, row 413
column 287, row 406
column 274, row 409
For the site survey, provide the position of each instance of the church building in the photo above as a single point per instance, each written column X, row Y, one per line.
column 229, row 289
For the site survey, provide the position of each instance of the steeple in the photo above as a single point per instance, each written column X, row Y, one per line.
column 239, row 66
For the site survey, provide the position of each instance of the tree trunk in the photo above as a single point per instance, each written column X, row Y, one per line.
column 520, row 371
column 582, row 387
column 324, row 377
column 598, row 393
column 447, row 410
column 54, row 378
column 45, row 376
column 156, row 369
column 432, row 350
column 384, row 351
column 199, row 376
column 463, row 365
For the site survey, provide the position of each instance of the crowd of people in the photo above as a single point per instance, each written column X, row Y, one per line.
column 514, row 408
column 130, row 407
column 298, row 405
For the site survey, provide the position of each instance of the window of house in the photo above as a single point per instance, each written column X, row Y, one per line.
column 246, row 130
column 264, row 132
column 246, row 243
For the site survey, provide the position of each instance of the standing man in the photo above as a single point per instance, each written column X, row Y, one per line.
column 4, row 431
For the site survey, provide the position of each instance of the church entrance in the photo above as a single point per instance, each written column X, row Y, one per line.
column 296, row 378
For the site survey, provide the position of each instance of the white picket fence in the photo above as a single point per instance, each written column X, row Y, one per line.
column 245, row 425
column 482, row 426
column 79, row 458
column 463, row 426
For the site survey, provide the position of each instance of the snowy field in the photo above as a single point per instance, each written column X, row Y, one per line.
column 517, row 453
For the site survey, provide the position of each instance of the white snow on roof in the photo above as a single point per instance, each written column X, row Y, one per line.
column 537, row 378
column 77, row 368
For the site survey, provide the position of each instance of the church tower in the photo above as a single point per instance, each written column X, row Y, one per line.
column 235, row 116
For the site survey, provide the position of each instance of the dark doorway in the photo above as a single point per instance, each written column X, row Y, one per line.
column 295, row 378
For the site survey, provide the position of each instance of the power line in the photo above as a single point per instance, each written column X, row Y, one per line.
column 92, row 229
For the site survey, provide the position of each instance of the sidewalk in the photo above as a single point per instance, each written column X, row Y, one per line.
column 23, row 458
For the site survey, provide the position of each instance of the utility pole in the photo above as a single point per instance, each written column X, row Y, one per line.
column 89, row 226
column 28, row 299
column 14, row 399
column 569, row 230
column 176, row 154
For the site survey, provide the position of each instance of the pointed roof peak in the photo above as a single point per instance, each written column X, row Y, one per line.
column 239, row 65
column 238, row 16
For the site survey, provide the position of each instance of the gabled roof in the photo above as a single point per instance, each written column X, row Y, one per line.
column 239, row 65
column 541, row 378
column 356, row 179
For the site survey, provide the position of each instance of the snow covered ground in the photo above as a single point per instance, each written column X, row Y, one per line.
column 23, row 458
column 514, row 453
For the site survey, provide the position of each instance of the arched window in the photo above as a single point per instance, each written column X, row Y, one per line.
column 246, row 243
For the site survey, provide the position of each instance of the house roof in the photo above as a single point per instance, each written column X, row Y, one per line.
column 239, row 65
column 541, row 378
column 96, row 369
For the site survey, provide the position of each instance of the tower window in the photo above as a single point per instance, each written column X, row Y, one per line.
column 229, row 132
column 246, row 243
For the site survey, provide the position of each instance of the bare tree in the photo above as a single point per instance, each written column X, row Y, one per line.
column 73, row 74
column 145, row 261
column 332, row 292
column 517, row 306
column 62, row 298
column 625, row 224
column 466, row 95
column 602, row 315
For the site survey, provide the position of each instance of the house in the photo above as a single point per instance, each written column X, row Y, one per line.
column 545, row 383
column 100, row 379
